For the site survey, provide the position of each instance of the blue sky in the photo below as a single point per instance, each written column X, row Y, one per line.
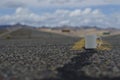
column 102, row 13
column 106, row 9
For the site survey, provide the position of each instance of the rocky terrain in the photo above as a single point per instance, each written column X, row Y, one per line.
column 35, row 55
column 2, row 31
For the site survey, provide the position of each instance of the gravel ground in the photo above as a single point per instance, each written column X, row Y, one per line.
column 105, row 63
column 43, row 56
column 2, row 31
column 35, row 58
column 94, row 65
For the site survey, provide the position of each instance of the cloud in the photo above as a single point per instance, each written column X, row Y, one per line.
column 56, row 3
column 22, row 15
column 75, row 17
column 87, row 11
column 22, row 11
column 78, row 3
column 112, row 1
column 12, row 4
column 76, row 13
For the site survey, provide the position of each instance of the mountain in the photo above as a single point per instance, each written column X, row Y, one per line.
column 5, row 26
column 14, row 26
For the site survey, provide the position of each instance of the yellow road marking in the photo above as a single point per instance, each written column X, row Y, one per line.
column 104, row 45
column 79, row 45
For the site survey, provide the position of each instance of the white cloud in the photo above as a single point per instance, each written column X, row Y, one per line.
column 22, row 15
column 64, row 22
column 76, row 13
column 87, row 11
column 74, row 3
column 63, row 17
column 22, row 11
column 56, row 3
column 96, row 11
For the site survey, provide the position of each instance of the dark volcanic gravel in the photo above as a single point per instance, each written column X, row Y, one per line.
column 34, row 58
column 48, row 56
column 94, row 65
column 31, row 58
column 105, row 63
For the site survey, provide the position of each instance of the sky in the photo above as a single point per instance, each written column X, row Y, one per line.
column 101, row 13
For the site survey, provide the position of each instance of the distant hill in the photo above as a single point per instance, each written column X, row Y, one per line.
column 80, row 31
column 5, row 26
column 57, row 27
column 75, row 27
column 13, row 26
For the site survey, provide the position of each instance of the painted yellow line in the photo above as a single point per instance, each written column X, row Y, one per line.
column 104, row 46
column 79, row 45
